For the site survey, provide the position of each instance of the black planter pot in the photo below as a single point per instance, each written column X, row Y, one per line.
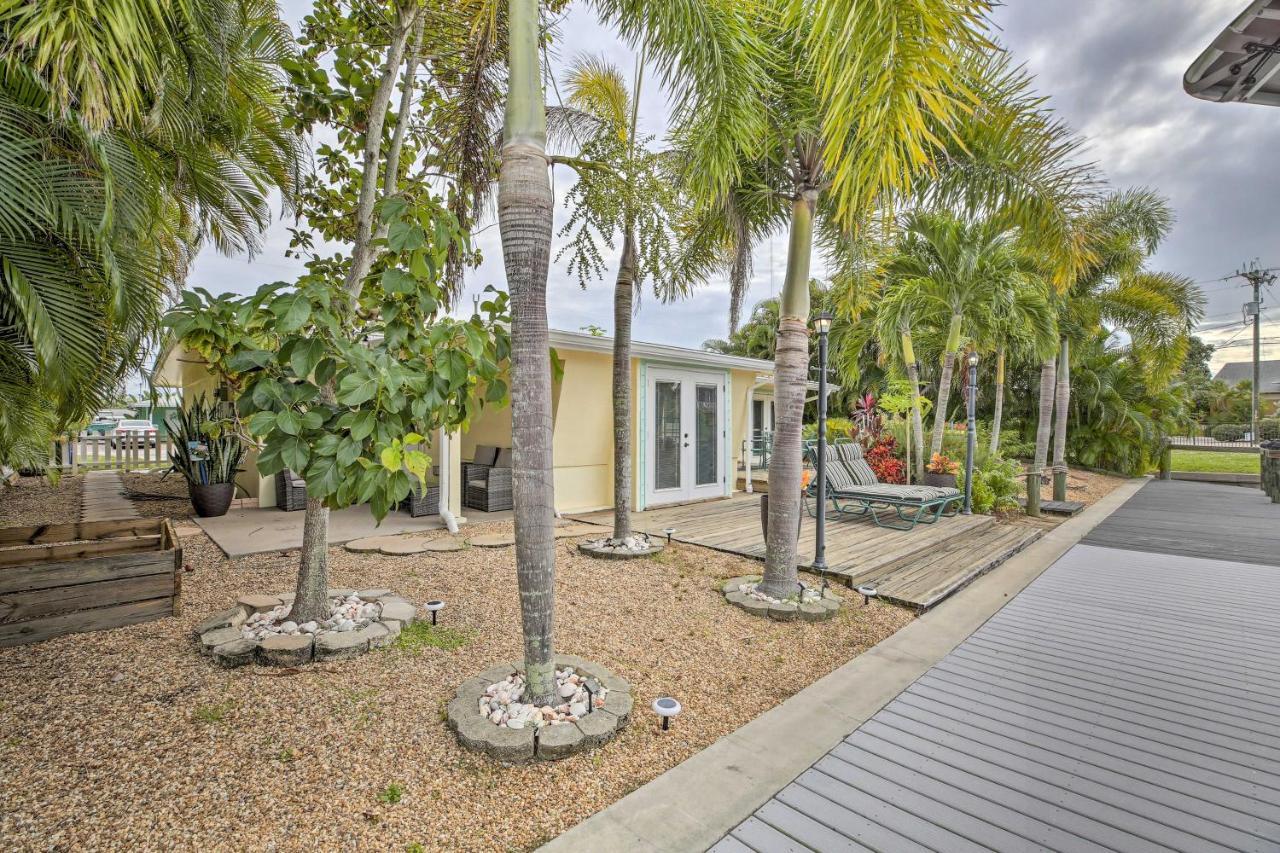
column 946, row 481
column 212, row 500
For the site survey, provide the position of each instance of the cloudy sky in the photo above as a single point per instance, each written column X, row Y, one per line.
column 1112, row 68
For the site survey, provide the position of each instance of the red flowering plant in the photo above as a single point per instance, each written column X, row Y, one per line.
column 940, row 464
column 883, row 459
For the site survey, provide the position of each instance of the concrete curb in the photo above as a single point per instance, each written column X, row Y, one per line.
column 692, row 805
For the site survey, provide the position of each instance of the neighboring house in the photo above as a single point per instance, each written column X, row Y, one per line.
column 692, row 411
column 1235, row 372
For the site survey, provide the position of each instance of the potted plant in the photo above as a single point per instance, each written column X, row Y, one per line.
column 941, row 471
column 207, row 451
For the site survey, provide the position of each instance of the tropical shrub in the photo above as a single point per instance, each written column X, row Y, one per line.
column 885, row 462
column 1269, row 429
column 838, row 429
column 207, row 444
column 996, row 485
column 1229, row 432
column 940, row 464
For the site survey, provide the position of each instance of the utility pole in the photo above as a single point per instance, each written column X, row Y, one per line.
column 1253, row 314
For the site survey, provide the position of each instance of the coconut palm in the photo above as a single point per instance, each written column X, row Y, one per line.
column 1022, row 326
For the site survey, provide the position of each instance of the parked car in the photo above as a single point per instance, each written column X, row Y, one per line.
column 134, row 427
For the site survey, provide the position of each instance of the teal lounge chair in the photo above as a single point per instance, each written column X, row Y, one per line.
column 854, row 490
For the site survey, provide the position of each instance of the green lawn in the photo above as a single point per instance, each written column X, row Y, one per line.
column 1207, row 460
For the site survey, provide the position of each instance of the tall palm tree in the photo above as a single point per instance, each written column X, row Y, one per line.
column 702, row 41
column 1114, row 290
column 1022, row 326
column 624, row 190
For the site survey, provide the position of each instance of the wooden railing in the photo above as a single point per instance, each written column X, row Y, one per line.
column 110, row 451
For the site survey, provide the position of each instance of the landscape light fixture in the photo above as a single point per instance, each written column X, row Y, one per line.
column 867, row 593
column 822, row 323
column 434, row 607
column 666, row 708
column 669, row 531
column 592, row 687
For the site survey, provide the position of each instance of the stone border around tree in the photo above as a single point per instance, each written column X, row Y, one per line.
column 591, row 549
column 549, row 743
column 786, row 611
column 219, row 636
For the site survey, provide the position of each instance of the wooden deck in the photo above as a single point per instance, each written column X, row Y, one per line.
column 1113, row 705
column 917, row 568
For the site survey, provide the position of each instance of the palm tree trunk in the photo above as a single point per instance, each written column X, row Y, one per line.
column 1048, row 370
column 623, row 301
column 1060, row 428
column 739, row 279
column 917, row 418
column 944, row 385
column 790, row 379
column 997, row 415
column 524, row 218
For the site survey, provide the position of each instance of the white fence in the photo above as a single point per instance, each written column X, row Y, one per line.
column 111, row 450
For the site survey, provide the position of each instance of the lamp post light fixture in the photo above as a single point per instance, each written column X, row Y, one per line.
column 971, row 433
column 666, row 708
column 822, row 323
column 434, row 607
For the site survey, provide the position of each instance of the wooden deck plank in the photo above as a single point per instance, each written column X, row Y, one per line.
column 918, row 567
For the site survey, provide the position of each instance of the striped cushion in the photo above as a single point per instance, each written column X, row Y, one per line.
column 838, row 477
column 906, row 493
column 850, row 456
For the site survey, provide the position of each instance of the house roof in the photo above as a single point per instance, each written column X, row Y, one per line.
column 1241, row 62
column 1237, row 371
column 664, row 352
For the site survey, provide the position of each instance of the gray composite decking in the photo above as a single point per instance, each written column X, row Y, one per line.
column 1211, row 520
column 1117, row 703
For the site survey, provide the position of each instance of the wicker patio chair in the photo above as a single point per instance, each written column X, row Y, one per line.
column 291, row 491
column 488, row 487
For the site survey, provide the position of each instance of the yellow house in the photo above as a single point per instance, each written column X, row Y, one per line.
column 692, row 414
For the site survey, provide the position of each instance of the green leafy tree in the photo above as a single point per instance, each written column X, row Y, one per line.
column 342, row 389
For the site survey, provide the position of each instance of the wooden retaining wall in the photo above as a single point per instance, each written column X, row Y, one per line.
column 66, row 578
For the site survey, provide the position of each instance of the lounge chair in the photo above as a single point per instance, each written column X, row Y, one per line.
column 854, row 489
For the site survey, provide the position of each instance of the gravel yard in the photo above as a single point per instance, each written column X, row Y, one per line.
column 34, row 500
column 1085, row 486
column 129, row 739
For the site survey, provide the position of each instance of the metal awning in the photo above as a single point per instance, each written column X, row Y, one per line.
column 1241, row 64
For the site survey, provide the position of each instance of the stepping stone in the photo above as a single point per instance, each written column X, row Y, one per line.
column 403, row 547
column 573, row 531
column 492, row 540
column 370, row 544
column 445, row 543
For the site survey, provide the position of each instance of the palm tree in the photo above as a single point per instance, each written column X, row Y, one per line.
column 128, row 147
column 1023, row 325
column 1114, row 290
column 959, row 275
column 624, row 189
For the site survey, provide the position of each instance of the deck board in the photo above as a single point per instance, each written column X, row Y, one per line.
column 1120, row 702
column 918, row 568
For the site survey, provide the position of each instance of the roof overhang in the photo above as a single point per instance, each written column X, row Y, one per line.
column 660, row 352
column 1243, row 62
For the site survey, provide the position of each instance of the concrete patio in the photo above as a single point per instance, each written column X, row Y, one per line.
column 254, row 530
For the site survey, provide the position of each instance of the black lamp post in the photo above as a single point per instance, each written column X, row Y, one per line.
column 972, row 433
column 823, row 325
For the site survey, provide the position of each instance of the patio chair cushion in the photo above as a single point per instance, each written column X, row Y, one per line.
column 838, row 477
column 484, row 455
column 504, row 458
column 907, row 493
column 850, row 456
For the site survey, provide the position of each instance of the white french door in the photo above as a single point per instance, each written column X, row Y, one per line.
column 684, row 435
